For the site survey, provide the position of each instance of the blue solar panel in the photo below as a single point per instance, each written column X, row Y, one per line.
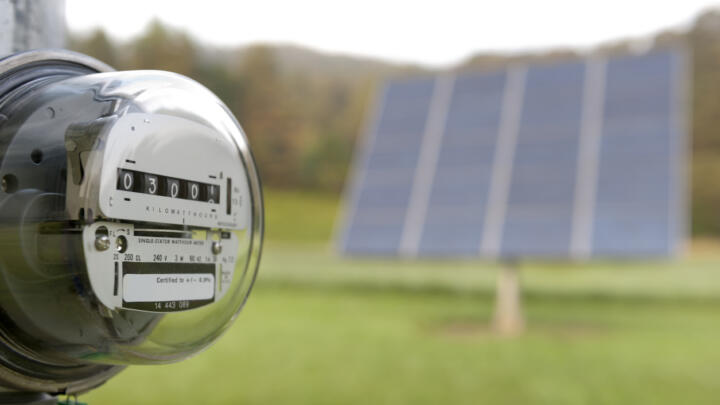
column 539, row 207
column 636, row 212
column 383, row 190
column 578, row 159
column 456, row 209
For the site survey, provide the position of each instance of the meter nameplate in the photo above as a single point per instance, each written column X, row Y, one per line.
column 168, row 287
column 159, row 273
column 166, row 169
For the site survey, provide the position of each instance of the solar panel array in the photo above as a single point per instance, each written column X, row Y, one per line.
column 578, row 160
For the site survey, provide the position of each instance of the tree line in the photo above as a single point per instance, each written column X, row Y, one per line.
column 303, row 110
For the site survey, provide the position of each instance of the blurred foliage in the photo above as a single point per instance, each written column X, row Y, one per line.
column 704, row 38
column 284, row 225
column 302, row 121
column 302, row 110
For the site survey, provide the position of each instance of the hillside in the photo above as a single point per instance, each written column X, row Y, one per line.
column 303, row 108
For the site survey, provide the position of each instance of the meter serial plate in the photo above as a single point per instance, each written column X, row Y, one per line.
column 158, row 270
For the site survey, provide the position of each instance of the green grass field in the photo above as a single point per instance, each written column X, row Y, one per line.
column 320, row 329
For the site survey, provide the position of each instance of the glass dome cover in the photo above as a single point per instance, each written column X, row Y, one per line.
column 130, row 220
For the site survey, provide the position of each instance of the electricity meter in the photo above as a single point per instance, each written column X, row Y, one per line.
column 131, row 220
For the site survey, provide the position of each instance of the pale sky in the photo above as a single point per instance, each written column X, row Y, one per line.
column 427, row 32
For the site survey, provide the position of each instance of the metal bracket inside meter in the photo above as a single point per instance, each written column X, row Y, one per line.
column 158, row 271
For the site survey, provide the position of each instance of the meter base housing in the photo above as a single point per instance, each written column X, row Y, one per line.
column 32, row 379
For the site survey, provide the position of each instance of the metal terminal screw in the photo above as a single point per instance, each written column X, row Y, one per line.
column 121, row 243
column 102, row 242
column 216, row 248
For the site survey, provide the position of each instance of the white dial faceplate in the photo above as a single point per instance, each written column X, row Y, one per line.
column 159, row 170
column 182, row 173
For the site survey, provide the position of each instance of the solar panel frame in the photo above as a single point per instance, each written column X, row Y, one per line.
column 439, row 220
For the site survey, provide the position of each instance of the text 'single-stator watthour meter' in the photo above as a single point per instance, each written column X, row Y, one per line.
column 130, row 220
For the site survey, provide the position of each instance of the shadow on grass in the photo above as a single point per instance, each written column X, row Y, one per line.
column 481, row 329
